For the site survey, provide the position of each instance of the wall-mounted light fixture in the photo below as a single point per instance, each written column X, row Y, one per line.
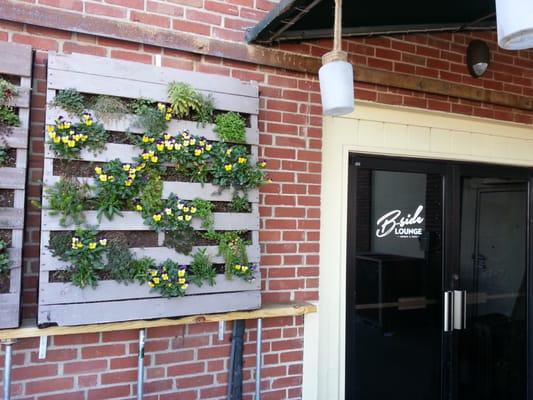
column 515, row 24
column 336, row 74
column 477, row 58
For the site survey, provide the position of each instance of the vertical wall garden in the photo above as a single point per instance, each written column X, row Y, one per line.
column 15, row 87
column 150, row 203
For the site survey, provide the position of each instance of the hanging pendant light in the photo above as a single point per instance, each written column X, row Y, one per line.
column 336, row 74
column 515, row 24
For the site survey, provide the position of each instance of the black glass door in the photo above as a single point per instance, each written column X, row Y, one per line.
column 491, row 362
column 437, row 281
column 394, row 275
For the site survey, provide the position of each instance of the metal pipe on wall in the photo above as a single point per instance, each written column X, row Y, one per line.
column 258, row 358
column 140, row 364
column 8, row 359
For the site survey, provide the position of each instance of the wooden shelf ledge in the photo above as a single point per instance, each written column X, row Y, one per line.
column 29, row 329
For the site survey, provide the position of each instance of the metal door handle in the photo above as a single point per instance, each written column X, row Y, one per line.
column 448, row 311
column 459, row 310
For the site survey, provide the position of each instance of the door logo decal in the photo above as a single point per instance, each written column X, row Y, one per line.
column 404, row 227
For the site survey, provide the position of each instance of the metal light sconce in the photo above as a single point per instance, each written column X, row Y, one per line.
column 515, row 24
column 477, row 58
column 336, row 74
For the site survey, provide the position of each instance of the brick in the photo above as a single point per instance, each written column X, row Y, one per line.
column 110, row 350
column 186, row 369
column 105, row 10
column 80, row 367
column 194, row 382
column 164, row 8
column 31, row 372
column 109, row 392
column 191, row 27
column 129, row 56
column 138, row 4
column 150, row 19
column 49, row 385
column 74, row 5
column 70, row 47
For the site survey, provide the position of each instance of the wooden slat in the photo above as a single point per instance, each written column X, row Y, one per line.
column 23, row 98
column 66, row 293
column 16, row 59
column 9, row 310
column 17, row 139
column 88, row 313
column 270, row 310
column 133, row 221
column 185, row 190
column 126, row 123
column 93, row 65
column 11, row 218
column 12, row 178
column 159, row 254
column 125, row 87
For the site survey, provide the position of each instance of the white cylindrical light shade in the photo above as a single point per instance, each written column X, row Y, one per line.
column 515, row 24
column 336, row 88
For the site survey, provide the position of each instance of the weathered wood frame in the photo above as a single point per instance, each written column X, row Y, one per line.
column 16, row 61
column 65, row 304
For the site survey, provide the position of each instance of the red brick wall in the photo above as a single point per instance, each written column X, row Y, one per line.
column 190, row 361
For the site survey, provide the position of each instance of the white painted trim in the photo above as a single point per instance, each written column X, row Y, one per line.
column 385, row 130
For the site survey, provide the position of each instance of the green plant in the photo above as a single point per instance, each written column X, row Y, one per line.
column 85, row 256
column 67, row 139
column 201, row 269
column 116, row 187
column 187, row 103
column 109, row 108
column 152, row 119
column 123, row 266
column 204, row 211
column 169, row 279
column 8, row 117
column 230, row 127
column 232, row 247
column 180, row 240
column 5, row 263
column 70, row 100
column 149, row 201
column 232, row 167
column 7, row 92
column 240, row 204
column 59, row 244
column 3, row 155
column 68, row 198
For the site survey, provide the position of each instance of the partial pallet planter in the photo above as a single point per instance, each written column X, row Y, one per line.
column 62, row 303
column 16, row 67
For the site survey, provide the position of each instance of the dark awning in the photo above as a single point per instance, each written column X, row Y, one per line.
column 311, row 19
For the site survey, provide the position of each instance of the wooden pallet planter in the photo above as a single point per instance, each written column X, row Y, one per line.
column 15, row 64
column 63, row 303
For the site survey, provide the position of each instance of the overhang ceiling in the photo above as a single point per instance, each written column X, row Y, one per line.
column 311, row 19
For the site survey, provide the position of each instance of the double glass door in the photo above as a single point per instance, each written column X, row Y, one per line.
column 437, row 281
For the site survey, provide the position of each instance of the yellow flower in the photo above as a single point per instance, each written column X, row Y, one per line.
column 197, row 152
column 151, row 284
column 98, row 170
column 188, row 218
column 153, row 272
column 241, row 160
column 262, row 164
column 64, row 139
column 228, row 167
column 66, row 125
column 103, row 178
column 140, row 167
column 192, row 142
column 138, row 207
column 80, row 245
column 57, row 139
column 71, row 143
column 161, row 107
column 126, row 167
column 185, row 286
column 103, row 242
column 228, row 152
column 185, row 209
column 168, row 117
column 111, row 178
column 208, row 147
column 50, row 128
column 160, row 147
column 77, row 137
column 169, row 145
column 244, row 268
column 145, row 156
column 180, row 206
column 201, row 142
column 52, row 135
column 168, row 211
column 177, row 146
column 181, row 281
column 146, row 139
column 92, row 245
column 181, row 273
column 166, row 136
column 127, row 182
column 169, row 284
column 154, row 159
column 165, row 277
column 180, row 217
column 238, row 267
column 185, row 143
column 156, row 217
column 193, row 210
column 156, row 280
column 84, row 138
